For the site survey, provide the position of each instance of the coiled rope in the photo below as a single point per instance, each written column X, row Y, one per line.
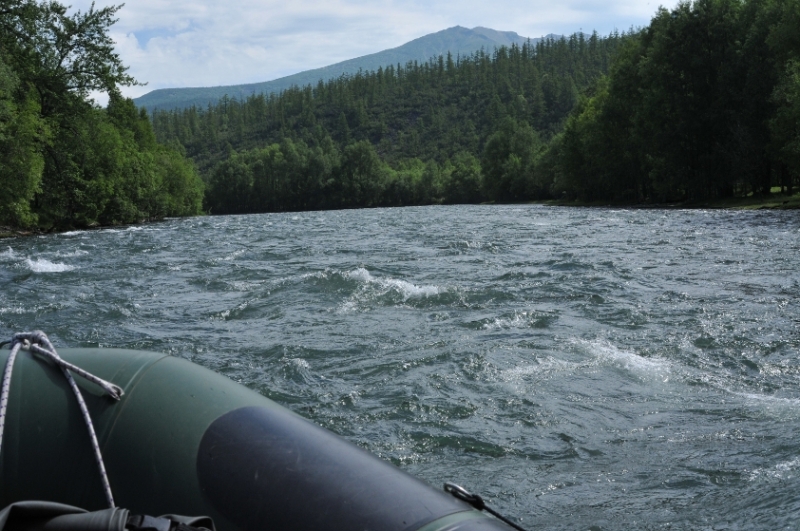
column 37, row 343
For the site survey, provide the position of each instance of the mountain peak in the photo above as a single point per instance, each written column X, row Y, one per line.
column 457, row 40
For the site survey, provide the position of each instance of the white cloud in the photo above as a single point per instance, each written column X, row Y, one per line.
column 184, row 43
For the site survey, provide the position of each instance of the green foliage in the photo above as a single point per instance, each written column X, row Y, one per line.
column 464, row 184
column 286, row 176
column 21, row 160
column 359, row 177
column 64, row 56
column 700, row 106
column 231, row 187
column 508, row 164
column 403, row 135
column 65, row 162
column 785, row 125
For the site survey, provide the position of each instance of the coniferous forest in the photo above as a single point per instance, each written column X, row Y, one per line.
column 65, row 162
column 702, row 104
column 451, row 130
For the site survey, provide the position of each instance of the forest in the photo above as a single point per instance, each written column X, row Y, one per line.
column 451, row 130
column 703, row 103
column 64, row 161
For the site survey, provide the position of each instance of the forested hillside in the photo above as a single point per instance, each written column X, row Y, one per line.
column 410, row 134
column 704, row 103
column 65, row 162
column 457, row 40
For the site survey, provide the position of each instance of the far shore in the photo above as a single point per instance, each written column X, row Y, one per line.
column 12, row 232
column 774, row 201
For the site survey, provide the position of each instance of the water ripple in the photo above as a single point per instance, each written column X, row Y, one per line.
column 580, row 368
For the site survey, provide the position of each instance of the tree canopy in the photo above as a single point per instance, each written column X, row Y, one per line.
column 423, row 127
column 702, row 104
column 66, row 162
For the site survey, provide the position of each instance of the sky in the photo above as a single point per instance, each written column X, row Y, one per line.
column 201, row 43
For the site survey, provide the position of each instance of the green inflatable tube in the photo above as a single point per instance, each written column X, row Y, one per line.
column 185, row 440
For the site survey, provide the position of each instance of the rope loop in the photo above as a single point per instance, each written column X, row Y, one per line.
column 39, row 345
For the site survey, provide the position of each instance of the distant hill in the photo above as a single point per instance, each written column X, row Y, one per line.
column 456, row 40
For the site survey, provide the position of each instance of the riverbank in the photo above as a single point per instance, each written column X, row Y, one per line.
column 10, row 232
column 774, row 201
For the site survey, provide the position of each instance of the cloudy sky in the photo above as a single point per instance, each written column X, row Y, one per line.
column 191, row 43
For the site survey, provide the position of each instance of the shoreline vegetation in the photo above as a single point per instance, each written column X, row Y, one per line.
column 65, row 162
column 775, row 200
column 700, row 109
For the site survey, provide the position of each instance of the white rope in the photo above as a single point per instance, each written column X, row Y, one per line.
column 38, row 343
column 4, row 390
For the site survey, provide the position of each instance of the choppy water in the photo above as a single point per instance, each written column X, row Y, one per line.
column 580, row 368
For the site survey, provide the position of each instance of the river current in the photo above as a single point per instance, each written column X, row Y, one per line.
column 595, row 369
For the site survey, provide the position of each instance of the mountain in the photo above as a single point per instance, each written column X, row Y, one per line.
column 456, row 40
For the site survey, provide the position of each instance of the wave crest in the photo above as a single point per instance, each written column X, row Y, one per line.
column 46, row 266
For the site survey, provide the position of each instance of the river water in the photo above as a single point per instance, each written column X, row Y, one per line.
column 580, row 368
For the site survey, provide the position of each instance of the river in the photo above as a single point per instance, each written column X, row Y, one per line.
column 601, row 369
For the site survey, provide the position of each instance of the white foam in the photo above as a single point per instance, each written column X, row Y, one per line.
column 412, row 291
column 72, row 254
column 406, row 289
column 772, row 406
column 544, row 368
column 235, row 254
column 300, row 363
column 780, row 471
column 9, row 254
column 46, row 266
column 347, row 307
column 605, row 352
column 241, row 285
column 360, row 274
column 299, row 367
column 768, row 399
column 520, row 320
column 769, row 369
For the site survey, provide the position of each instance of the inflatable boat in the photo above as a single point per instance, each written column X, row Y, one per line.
column 184, row 440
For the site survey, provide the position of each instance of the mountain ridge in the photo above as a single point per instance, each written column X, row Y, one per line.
column 456, row 40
